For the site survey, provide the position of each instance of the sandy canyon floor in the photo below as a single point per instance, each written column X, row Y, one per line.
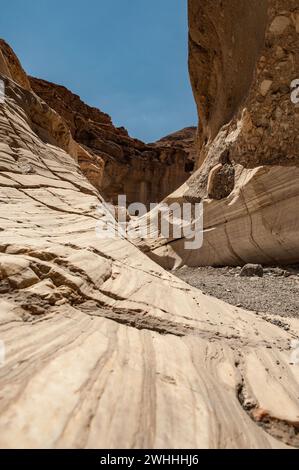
column 277, row 293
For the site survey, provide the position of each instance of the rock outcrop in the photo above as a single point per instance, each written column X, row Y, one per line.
column 11, row 66
column 97, row 338
column 185, row 139
column 244, row 58
column 121, row 164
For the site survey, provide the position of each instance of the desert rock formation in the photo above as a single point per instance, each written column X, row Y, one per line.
column 244, row 56
column 185, row 139
column 11, row 66
column 120, row 164
column 103, row 348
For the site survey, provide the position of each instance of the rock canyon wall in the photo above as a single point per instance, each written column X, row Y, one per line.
column 244, row 57
column 102, row 348
column 120, row 164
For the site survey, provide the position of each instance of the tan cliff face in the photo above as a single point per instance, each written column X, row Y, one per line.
column 243, row 58
column 11, row 66
column 122, row 165
column 96, row 338
column 220, row 70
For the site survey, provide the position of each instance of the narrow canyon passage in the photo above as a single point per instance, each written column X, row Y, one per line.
column 100, row 346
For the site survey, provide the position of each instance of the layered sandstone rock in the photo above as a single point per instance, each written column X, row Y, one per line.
column 244, row 57
column 122, row 165
column 97, row 338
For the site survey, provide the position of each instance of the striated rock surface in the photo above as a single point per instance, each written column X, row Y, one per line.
column 121, row 164
column 244, row 57
column 97, row 339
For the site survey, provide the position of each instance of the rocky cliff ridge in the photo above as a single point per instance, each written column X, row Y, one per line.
column 120, row 164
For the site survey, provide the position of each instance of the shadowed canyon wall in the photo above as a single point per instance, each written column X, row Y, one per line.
column 249, row 70
column 225, row 40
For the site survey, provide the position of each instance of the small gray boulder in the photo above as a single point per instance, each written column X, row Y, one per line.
column 252, row 270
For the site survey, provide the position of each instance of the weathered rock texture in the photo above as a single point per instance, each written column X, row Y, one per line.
column 121, row 165
column 11, row 66
column 243, row 59
column 242, row 63
column 185, row 139
column 99, row 339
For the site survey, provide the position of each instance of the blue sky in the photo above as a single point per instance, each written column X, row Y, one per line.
column 126, row 57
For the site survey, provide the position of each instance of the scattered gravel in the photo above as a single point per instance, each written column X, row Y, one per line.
column 277, row 292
